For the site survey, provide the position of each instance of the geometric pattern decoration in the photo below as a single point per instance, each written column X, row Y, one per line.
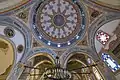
column 102, row 37
column 112, row 64
column 58, row 23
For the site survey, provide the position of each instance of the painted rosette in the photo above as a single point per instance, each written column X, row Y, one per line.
column 58, row 23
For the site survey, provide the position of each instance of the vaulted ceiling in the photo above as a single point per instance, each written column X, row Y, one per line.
column 82, row 33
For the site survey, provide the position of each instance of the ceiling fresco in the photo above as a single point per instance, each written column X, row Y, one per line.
column 40, row 38
column 58, row 23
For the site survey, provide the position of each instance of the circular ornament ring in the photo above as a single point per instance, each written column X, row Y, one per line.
column 9, row 32
column 58, row 23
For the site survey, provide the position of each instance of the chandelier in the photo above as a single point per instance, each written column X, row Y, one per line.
column 56, row 73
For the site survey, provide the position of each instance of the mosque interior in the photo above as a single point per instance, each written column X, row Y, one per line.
column 59, row 39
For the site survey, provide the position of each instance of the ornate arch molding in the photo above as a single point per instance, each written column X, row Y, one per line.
column 78, row 61
column 8, row 10
column 103, row 19
column 51, row 54
column 81, row 50
column 102, row 6
column 20, row 66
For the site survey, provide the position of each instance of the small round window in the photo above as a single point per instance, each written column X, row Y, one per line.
column 20, row 48
column 9, row 32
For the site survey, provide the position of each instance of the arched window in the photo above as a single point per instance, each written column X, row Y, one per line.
column 102, row 37
column 111, row 63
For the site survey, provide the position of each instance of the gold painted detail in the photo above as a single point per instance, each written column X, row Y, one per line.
column 6, row 58
column 13, row 4
column 23, row 14
column 3, row 47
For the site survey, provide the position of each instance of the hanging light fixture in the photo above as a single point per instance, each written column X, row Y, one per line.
column 56, row 73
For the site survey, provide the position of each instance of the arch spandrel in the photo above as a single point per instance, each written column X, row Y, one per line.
column 107, row 5
column 12, row 29
column 80, row 50
column 103, row 34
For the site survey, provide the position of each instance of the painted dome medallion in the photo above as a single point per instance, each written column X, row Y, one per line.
column 58, row 23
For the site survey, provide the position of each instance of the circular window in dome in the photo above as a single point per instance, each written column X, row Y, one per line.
column 20, row 48
column 58, row 23
column 9, row 32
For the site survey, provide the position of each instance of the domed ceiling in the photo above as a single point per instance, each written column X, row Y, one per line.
column 58, row 23
column 79, row 33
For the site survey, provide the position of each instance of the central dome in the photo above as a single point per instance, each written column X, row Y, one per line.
column 58, row 22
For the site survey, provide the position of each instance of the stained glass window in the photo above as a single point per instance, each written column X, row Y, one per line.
column 102, row 37
column 111, row 63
